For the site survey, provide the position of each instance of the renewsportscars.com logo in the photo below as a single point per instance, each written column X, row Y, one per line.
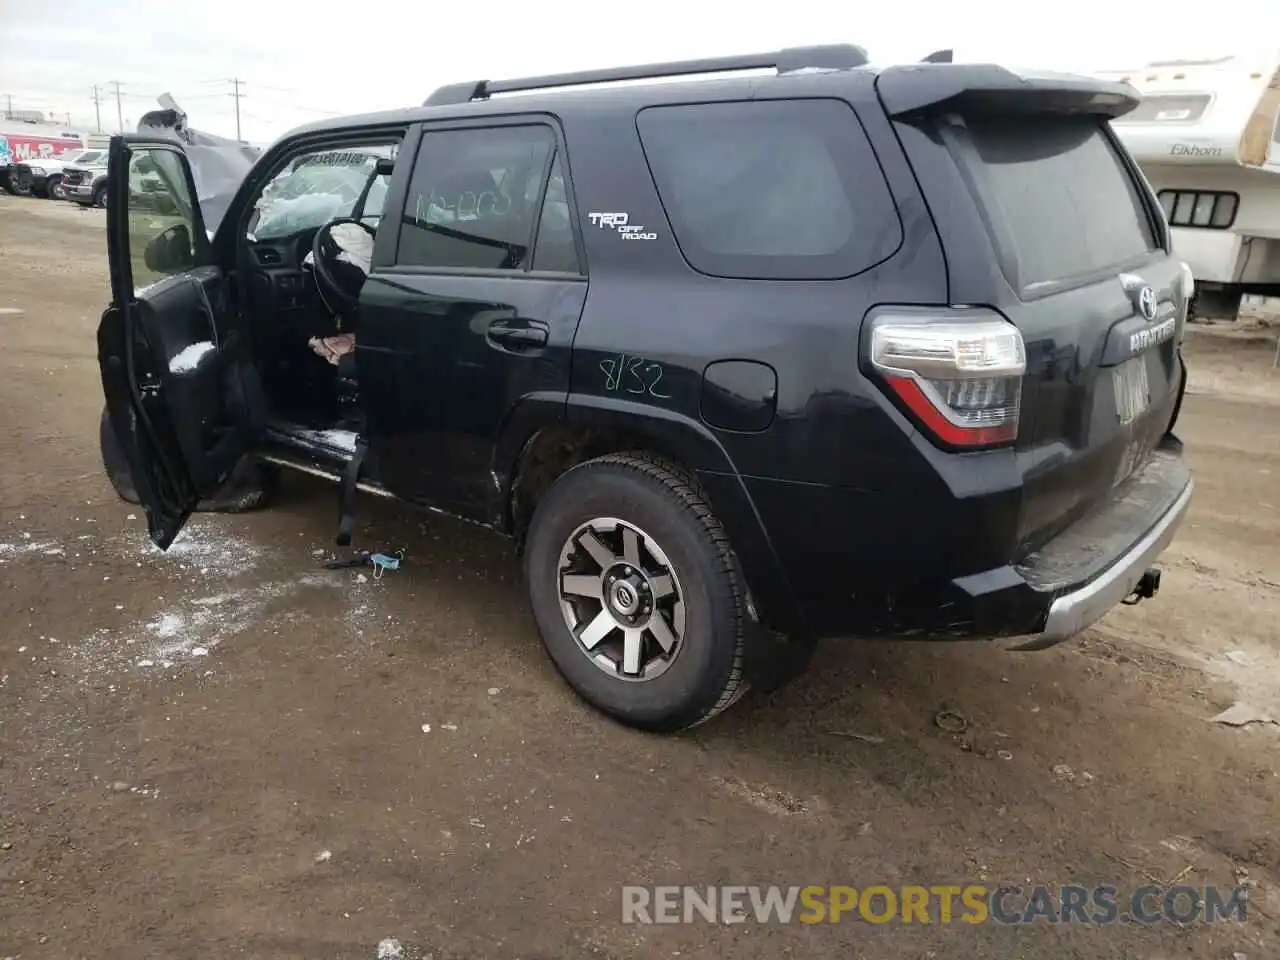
column 972, row 904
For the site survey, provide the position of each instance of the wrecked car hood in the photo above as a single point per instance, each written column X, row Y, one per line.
column 218, row 164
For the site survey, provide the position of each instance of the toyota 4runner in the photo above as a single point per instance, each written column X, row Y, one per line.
column 740, row 362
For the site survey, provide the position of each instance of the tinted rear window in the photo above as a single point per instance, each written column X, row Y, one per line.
column 771, row 189
column 1062, row 203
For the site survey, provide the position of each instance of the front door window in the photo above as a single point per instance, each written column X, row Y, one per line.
column 161, row 216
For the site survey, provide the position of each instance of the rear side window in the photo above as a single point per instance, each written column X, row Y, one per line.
column 781, row 190
column 474, row 198
column 1061, row 203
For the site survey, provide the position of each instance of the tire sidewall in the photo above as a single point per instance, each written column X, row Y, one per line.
column 695, row 682
column 115, row 461
column 54, row 188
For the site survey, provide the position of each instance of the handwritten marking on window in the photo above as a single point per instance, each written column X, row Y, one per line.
column 635, row 375
column 433, row 208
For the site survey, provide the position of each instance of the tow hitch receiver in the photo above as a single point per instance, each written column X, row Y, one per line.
column 1146, row 588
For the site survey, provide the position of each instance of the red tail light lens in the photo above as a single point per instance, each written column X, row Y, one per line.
column 962, row 380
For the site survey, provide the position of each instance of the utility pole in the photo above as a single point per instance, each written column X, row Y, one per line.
column 97, row 110
column 8, row 114
column 119, row 108
column 237, row 83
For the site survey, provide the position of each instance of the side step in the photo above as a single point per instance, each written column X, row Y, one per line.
column 333, row 476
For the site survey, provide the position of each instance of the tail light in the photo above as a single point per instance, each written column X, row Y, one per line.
column 1187, row 283
column 961, row 379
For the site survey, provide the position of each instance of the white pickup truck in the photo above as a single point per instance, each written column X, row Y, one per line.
column 44, row 177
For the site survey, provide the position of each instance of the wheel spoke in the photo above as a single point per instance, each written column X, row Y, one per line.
column 631, row 547
column 599, row 552
column 596, row 630
column 632, row 647
column 661, row 631
column 582, row 585
column 662, row 586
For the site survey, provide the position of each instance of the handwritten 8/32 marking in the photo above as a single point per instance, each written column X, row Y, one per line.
column 635, row 375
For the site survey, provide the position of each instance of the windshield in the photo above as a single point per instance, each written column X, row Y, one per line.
column 89, row 157
column 317, row 188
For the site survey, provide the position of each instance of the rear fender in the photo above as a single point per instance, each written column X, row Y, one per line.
column 622, row 424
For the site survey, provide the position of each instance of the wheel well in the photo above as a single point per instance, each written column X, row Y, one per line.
column 552, row 451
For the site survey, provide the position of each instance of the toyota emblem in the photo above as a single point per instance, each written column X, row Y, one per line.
column 1147, row 303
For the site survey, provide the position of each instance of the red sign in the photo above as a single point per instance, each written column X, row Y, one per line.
column 20, row 149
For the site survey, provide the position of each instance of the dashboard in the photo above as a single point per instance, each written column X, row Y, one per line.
column 281, row 288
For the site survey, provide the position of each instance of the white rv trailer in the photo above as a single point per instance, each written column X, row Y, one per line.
column 1205, row 135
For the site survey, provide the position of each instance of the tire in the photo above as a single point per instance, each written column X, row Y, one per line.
column 100, row 196
column 54, row 188
column 248, row 488
column 114, row 461
column 704, row 670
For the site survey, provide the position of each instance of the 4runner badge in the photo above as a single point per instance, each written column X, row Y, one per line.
column 620, row 222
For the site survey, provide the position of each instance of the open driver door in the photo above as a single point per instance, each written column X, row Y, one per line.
column 181, row 389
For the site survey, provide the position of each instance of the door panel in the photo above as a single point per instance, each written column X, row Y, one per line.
column 181, row 390
column 472, row 307
column 442, row 361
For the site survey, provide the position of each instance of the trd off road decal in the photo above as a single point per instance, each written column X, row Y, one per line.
column 620, row 223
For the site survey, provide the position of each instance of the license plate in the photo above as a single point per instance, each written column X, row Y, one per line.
column 1133, row 392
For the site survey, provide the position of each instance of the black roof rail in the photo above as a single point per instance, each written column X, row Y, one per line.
column 840, row 56
column 940, row 56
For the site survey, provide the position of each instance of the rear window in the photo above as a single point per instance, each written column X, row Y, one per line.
column 771, row 189
column 1062, row 204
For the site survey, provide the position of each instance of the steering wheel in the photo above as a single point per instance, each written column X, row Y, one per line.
column 325, row 251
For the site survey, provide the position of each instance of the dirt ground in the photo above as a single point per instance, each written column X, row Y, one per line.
column 226, row 750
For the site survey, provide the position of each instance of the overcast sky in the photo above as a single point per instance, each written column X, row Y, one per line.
column 304, row 61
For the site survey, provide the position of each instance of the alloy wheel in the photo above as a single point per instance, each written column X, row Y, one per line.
column 621, row 599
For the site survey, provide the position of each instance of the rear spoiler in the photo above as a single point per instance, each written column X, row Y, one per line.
column 914, row 87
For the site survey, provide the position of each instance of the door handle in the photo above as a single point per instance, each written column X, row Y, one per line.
column 523, row 336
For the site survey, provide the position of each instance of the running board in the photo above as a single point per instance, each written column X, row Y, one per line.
column 332, row 476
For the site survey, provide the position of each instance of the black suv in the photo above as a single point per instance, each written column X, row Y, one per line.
column 740, row 362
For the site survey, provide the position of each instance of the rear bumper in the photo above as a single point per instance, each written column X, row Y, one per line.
column 1080, row 608
column 854, row 578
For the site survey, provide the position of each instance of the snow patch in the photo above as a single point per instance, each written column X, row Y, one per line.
column 204, row 548
column 47, row 547
column 193, row 629
column 188, row 358
column 344, row 440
